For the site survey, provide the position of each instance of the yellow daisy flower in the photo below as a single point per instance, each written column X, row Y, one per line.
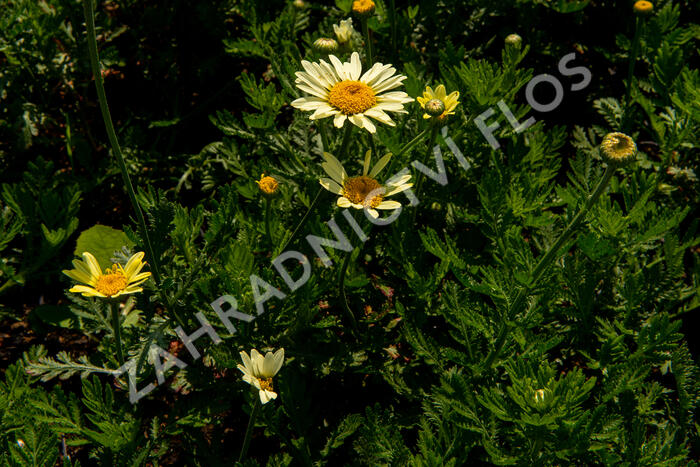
column 363, row 192
column 258, row 371
column 428, row 102
column 115, row 281
column 643, row 8
column 363, row 7
column 341, row 91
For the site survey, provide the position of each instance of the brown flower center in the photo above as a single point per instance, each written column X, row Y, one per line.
column 363, row 190
column 352, row 97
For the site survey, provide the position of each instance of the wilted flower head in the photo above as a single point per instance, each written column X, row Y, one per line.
column 618, row 148
column 643, row 8
column 325, row 45
column 258, row 371
column 539, row 395
column 363, row 7
column 344, row 30
column 115, row 281
column 340, row 90
column 267, row 184
column 449, row 103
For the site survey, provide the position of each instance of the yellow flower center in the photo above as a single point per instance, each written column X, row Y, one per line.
column 363, row 6
column 111, row 283
column 352, row 97
column 267, row 185
column 265, row 384
column 359, row 189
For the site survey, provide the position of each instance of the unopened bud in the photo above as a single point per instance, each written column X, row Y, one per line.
column 325, row 45
column 434, row 107
column 514, row 40
column 643, row 8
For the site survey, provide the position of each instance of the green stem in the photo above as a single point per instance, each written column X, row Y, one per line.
column 341, row 287
column 116, row 328
column 249, row 430
column 412, row 143
column 630, row 72
column 346, row 140
column 431, row 142
column 324, row 136
column 268, row 205
column 368, row 42
column 111, row 134
column 303, row 219
column 544, row 263
column 392, row 7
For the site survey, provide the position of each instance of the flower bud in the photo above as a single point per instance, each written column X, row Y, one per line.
column 434, row 107
column 344, row 30
column 299, row 4
column 643, row 8
column 618, row 149
column 268, row 185
column 325, row 45
column 514, row 40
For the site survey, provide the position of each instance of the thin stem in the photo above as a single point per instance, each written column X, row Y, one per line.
column 249, row 430
column 368, row 42
column 268, row 205
column 419, row 182
column 544, row 263
column 346, row 139
column 111, row 134
column 303, row 219
column 630, row 72
column 392, row 7
column 412, row 143
column 341, row 287
column 116, row 328
column 324, row 136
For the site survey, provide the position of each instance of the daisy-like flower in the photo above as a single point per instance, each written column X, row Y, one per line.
column 344, row 30
column 618, row 148
column 643, row 8
column 431, row 100
column 115, row 281
column 363, row 192
column 268, row 185
column 363, row 7
column 341, row 91
column 258, row 371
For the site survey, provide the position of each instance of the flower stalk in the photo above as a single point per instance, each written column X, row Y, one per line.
column 545, row 262
column 630, row 72
column 368, row 42
column 268, row 205
column 111, row 134
column 249, row 429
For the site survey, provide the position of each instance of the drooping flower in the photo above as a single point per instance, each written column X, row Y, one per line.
column 344, row 30
column 339, row 90
column 258, row 371
column 449, row 102
column 363, row 192
column 268, row 185
column 115, row 281
column 643, row 8
column 363, row 7
column 618, row 148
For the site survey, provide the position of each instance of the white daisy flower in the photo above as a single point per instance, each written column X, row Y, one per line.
column 363, row 192
column 258, row 371
column 341, row 91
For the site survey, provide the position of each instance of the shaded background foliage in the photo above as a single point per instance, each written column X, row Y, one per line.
column 199, row 94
